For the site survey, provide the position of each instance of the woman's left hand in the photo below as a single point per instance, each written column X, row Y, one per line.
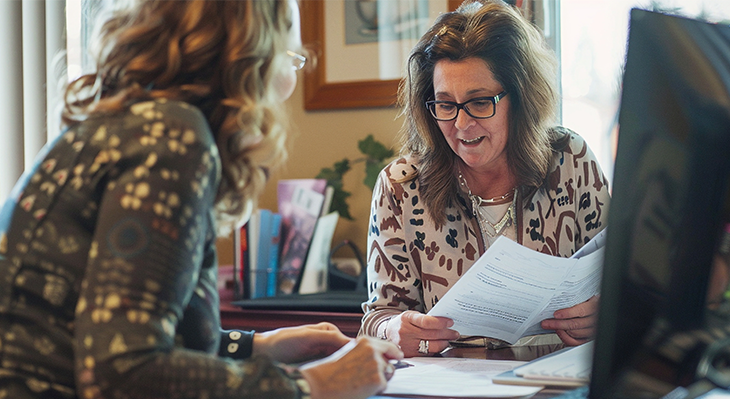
column 299, row 344
column 575, row 325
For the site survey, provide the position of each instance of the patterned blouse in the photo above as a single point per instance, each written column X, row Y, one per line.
column 411, row 263
column 108, row 268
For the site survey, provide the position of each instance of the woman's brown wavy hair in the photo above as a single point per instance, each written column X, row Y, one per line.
column 521, row 62
column 222, row 57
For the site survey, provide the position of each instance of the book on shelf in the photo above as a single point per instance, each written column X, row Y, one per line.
column 329, row 192
column 252, row 232
column 273, row 257
column 241, row 263
column 314, row 275
column 263, row 271
column 300, row 203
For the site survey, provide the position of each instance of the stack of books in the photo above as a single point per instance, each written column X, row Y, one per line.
column 287, row 251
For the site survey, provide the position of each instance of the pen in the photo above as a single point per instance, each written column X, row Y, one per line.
column 400, row 364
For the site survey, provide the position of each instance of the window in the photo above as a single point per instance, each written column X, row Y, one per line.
column 593, row 36
column 32, row 35
column 43, row 43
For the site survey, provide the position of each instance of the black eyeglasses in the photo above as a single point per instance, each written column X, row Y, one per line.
column 479, row 108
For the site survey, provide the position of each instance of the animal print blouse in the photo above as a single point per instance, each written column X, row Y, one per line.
column 108, row 268
column 411, row 263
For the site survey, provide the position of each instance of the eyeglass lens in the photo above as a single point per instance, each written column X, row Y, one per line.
column 298, row 60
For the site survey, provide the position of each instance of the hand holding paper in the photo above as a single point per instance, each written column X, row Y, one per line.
column 575, row 325
column 511, row 289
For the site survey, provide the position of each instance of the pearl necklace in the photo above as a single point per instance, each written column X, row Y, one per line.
column 476, row 202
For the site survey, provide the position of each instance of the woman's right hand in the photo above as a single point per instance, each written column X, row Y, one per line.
column 359, row 369
column 409, row 328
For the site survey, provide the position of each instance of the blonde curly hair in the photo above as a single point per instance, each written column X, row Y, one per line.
column 220, row 56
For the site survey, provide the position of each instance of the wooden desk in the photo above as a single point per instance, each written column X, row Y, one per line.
column 233, row 317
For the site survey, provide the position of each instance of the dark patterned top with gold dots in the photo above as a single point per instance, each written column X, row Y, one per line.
column 108, row 268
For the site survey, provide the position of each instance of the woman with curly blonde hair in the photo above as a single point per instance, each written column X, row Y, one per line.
column 107, row 246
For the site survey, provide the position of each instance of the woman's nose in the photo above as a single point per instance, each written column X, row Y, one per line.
column 463, row 120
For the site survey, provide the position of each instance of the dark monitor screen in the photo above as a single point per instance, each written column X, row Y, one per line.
column 668, row 210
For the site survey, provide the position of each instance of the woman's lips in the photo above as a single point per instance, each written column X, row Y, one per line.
column 476, row 140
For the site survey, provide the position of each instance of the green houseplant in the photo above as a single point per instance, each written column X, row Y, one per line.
column 375, row 155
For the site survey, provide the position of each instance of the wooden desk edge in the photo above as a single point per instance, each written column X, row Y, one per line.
column 233, row 317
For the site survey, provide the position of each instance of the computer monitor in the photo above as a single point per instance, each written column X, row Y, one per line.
column 669, row 206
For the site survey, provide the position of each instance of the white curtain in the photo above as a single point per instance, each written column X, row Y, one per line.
column 32, row 38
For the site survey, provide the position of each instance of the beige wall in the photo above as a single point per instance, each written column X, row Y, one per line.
column 322, row 138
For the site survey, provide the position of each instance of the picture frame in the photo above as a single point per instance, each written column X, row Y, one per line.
column 321, row 93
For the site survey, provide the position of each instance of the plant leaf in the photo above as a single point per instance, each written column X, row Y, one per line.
column 339, row 203
column 334, row 174
column 343, row 166
column 372, row 169
column 376, row 157
column 374, row 149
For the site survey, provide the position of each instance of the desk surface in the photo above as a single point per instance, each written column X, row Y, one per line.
column 263, row 320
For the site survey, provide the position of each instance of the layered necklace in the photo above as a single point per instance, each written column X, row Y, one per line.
column 487, row 227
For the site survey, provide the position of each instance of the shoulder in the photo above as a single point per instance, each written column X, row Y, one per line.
column 401, row 170
column 173, row 109
column 574, row 163
column 567, row 142
column 571, row 153
column 397, row 180
column 172, row 116
column 173, row 130
column 169, row 134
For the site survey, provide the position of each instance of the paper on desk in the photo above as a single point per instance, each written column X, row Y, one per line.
column 455, row 377
column 510, row 289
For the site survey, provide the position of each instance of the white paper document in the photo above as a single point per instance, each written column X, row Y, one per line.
column 510, row 289
column 596, row 243
column 455, row 377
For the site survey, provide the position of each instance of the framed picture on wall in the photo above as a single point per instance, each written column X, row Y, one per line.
column 361, row 47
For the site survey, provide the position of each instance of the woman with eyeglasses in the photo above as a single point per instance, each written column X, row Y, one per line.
column 481, row 158
column 107, row 246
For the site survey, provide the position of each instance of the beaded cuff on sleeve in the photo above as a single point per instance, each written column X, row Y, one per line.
column 236, row 344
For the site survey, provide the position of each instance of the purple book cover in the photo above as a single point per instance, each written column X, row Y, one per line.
column 300, row 203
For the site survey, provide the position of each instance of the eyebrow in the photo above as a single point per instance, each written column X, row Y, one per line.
column 468, row 93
